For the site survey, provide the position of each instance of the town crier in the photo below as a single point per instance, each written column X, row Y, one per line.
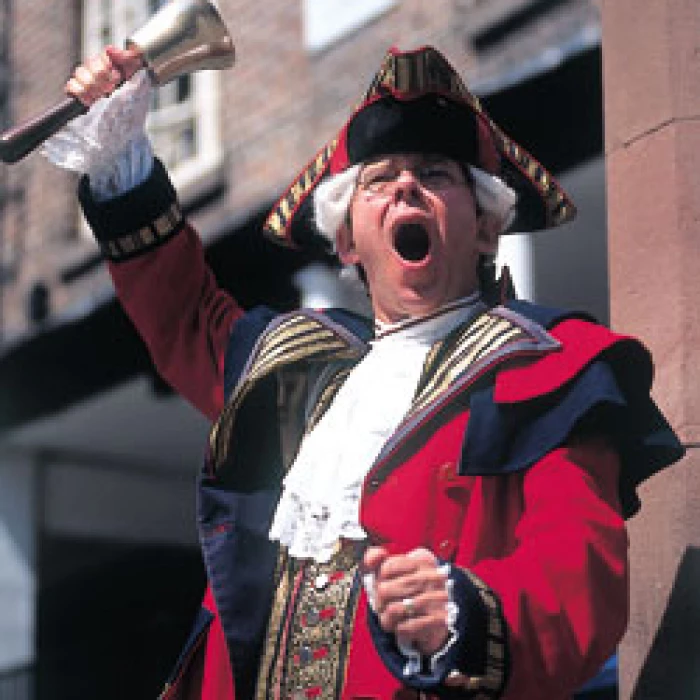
column 444, row 513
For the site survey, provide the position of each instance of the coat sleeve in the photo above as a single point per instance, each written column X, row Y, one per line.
column 157, row 264
column 563, row 591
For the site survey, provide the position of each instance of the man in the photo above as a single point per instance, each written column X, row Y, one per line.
column 451, row 519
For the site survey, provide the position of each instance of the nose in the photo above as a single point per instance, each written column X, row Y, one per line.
column 406, row 185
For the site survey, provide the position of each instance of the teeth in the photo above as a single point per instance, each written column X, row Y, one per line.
column 412, row 242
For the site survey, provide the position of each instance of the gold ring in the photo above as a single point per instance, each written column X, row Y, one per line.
column 408, row 607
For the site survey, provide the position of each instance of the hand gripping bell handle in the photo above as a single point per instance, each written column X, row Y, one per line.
column 182, row 37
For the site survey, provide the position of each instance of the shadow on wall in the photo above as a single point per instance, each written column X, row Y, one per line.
column 672, row 667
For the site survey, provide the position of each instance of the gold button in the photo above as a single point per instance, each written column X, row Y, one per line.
column 448, row 471
column 372, row 485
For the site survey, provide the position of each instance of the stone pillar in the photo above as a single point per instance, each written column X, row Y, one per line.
column 651, row 62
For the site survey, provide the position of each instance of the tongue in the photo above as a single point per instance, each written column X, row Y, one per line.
column 412, row 242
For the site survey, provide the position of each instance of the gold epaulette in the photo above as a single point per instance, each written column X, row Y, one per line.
column 292, row 338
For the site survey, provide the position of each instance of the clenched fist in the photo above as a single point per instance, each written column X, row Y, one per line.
column 410, row 597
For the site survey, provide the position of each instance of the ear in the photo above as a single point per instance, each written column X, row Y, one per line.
column 488, row 234
column 345, row 245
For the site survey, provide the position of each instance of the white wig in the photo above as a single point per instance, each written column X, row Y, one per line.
column 332, row 199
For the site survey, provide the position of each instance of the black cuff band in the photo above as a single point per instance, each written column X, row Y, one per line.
column 137, row 221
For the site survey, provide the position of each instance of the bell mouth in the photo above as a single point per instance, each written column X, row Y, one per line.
column 412, row 242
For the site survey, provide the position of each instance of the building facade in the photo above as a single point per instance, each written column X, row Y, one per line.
column 97, row 458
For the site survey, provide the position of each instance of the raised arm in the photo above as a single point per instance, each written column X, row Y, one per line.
column 161, row 278
column 155, row 257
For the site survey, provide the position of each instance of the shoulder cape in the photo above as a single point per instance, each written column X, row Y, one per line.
column 598, row 382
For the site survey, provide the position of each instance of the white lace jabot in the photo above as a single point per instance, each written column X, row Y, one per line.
column 320, row 500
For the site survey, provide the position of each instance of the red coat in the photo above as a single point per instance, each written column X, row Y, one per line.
column 548, row 542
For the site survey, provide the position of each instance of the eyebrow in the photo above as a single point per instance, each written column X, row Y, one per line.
column 420, row 159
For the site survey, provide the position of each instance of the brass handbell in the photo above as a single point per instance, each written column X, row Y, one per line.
column 184, row 36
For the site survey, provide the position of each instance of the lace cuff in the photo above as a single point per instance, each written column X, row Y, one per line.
column 414, row 661
column 108, row 144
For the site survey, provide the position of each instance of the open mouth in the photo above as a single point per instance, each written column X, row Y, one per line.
column 412, row 242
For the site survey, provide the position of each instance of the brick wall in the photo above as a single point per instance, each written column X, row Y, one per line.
column 280, row 104
column 40, row 222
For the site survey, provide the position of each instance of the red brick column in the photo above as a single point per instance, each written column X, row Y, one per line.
column 651, row 58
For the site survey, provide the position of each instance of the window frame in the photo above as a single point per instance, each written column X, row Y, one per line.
column 326, row 22
column 203, row 104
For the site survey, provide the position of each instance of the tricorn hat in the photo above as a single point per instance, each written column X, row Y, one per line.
column 417, row 103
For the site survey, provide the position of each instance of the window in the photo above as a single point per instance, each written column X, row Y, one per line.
column 184, row 120
column 326, row 21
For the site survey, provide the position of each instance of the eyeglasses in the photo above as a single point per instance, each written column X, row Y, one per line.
column 434, row 175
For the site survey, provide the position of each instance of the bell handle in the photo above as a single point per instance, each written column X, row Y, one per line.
column 18, row 142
